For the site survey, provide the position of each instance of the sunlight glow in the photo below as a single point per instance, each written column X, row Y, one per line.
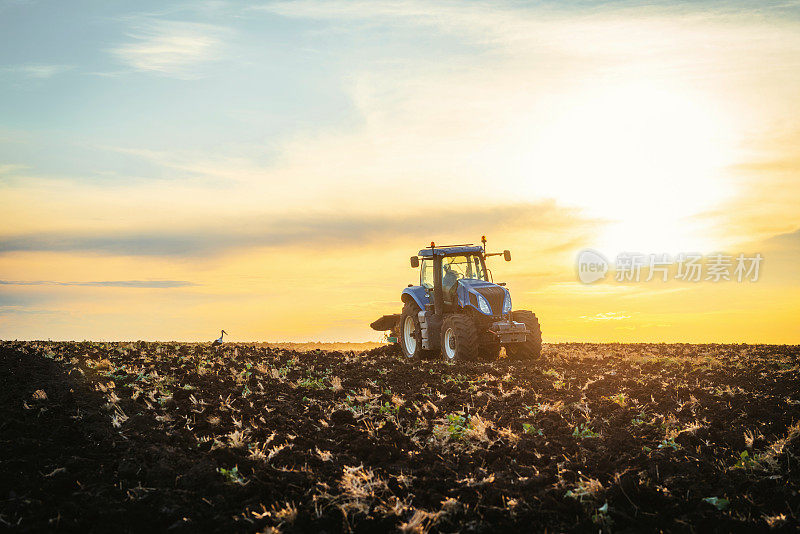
column 642, row 156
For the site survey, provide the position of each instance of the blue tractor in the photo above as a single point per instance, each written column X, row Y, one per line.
column 459, row 312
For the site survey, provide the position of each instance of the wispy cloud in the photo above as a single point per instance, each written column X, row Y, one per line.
column 581, row 29
column 785, row 241
column 18, row 310
column 172, row 48
column 146, row 284
column 607, row 316
column 36, row 71
column 321, row 230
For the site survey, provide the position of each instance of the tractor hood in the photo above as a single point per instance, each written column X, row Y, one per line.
column 483, row 296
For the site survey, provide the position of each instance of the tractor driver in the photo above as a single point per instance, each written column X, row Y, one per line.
column 449, row 280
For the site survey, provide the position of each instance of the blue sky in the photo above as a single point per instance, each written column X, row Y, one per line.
column 82, row 79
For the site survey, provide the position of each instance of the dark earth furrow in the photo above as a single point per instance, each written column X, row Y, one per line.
column 173, row 436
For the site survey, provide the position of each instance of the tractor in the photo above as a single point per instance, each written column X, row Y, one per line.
column 459, row 312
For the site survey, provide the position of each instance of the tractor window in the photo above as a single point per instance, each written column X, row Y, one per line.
column 426, row 274
column 457, row 267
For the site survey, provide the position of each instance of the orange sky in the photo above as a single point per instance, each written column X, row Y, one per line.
column 270, row 170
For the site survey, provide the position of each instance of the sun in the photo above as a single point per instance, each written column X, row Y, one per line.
column 647, row 158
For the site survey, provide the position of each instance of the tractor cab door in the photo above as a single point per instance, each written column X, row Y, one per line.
column 449, row 283
column 454, row 268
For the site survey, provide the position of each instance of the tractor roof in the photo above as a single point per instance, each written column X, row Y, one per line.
column 450, row 251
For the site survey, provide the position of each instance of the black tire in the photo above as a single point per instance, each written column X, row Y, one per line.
column 410, row 311
column 459, row 338
column 531, row 349
column 490, row 352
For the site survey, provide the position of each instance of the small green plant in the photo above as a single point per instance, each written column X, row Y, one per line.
column 559, row 379
column 142, row 377
column 584, row 431
column 457, row 425
column 389, row 409
column 669, row 444
column 165, row 396
column 533, row 430
column 745, row 461
column 601, row 517
column 231, row 475
column 246, row 373
column 585, row 489
column 639, row 419
column 532, row 410
column 119, row 378
column 456, row 379
column 311, row 383
column 358, row 409
column 718, row 502
column 619, row 398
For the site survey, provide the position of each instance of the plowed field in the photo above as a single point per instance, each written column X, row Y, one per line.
column 626, row 438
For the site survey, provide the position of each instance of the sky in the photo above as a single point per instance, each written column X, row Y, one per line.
column 168, row 170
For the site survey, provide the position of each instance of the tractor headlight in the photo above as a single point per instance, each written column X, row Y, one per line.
column 483, row 305
column 507, row 304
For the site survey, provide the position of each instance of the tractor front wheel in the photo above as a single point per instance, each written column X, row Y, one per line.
column 531, row 348
column 459, row 338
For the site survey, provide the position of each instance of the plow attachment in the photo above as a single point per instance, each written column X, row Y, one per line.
column 388, row 322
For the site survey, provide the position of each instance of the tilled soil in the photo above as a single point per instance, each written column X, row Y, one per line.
column 180, row 437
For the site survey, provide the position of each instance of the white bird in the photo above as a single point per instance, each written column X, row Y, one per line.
column 218, row 342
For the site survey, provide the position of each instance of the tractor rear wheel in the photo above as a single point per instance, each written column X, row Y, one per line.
column 459, row 338
column 531, row 349
column 410, row 331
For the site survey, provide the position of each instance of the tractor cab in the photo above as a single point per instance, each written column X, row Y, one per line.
column 458, row 264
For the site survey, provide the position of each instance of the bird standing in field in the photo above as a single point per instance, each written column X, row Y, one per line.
column 218, row 342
